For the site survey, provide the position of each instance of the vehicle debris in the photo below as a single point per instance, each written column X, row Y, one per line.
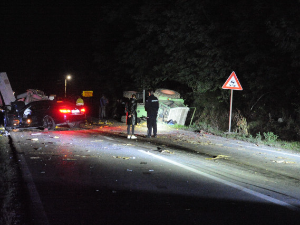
column 167, row 151
column 121, row 157
column 36, row 134
column 282, row 161
column 33, row 109
column 218, row 157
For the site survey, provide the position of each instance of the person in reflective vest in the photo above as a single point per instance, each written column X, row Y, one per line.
column 79, row 101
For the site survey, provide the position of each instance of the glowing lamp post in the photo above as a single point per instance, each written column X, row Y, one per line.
column 67, row 78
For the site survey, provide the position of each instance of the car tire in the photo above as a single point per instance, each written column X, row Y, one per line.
column 48, row 122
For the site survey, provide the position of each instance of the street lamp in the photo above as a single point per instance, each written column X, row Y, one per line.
column 67, row 78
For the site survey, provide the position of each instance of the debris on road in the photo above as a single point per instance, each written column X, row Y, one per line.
column 167, row 151
column 34, row 157
column 121, row 157
column 159, row 149
column 218, row 157
column 282, row 161
column 69, row 159
column 36, row 134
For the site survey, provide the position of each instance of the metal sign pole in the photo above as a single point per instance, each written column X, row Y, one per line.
column 232, row 83
column 230, row 112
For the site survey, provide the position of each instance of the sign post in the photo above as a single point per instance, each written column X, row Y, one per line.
column 232, row 83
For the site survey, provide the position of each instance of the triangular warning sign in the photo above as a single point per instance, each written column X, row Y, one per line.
column 232, row 83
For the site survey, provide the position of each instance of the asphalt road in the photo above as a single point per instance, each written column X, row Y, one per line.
column 95, row 176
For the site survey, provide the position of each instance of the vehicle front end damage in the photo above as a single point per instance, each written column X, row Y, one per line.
column 14, row 114
column 33, row 109
column 13, row 120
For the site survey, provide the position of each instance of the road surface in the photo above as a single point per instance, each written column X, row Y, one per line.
column 94, row 176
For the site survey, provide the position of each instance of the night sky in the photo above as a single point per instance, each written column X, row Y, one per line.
column 43, row 42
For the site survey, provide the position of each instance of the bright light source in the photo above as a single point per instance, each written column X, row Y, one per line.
column 65, row 110
column 68, row 77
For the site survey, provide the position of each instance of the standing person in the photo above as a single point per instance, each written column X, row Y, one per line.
column 151, row 106
column 131, row 117
column 102, row 108
column 79, row 101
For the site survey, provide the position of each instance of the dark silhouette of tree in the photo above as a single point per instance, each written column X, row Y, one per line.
column 199, row 43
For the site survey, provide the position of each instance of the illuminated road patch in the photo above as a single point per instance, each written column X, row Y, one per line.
column 228, row 183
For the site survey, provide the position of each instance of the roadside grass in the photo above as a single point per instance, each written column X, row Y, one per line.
column 269, row 139
column 266, row 138
column 9, row 186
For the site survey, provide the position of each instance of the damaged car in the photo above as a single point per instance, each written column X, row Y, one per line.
column 33, row 109
column 45, row 114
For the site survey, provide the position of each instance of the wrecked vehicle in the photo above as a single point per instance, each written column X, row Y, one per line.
column 171, row 106
column 35, row 110
column 43, row 114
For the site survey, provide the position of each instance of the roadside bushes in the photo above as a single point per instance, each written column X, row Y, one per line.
column 272, row 123
column 215, row 119
column 212, row 119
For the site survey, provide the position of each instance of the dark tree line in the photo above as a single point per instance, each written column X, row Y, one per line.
column 193, row 46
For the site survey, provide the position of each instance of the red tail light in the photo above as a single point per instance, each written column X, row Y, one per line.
column 65, row 111
column 82, row 110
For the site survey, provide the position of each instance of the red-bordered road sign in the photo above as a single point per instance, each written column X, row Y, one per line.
column 232, row 83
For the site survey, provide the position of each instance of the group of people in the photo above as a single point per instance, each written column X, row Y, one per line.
column 151, row 107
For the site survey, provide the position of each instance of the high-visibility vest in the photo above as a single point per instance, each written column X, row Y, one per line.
column 79, row 101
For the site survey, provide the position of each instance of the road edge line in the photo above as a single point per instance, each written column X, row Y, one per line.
column 228, row 183
column 38, row 213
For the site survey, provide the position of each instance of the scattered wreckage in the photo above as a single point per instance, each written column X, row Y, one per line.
column 33, row 109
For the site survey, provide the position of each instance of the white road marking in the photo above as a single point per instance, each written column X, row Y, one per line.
column 228, row 183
